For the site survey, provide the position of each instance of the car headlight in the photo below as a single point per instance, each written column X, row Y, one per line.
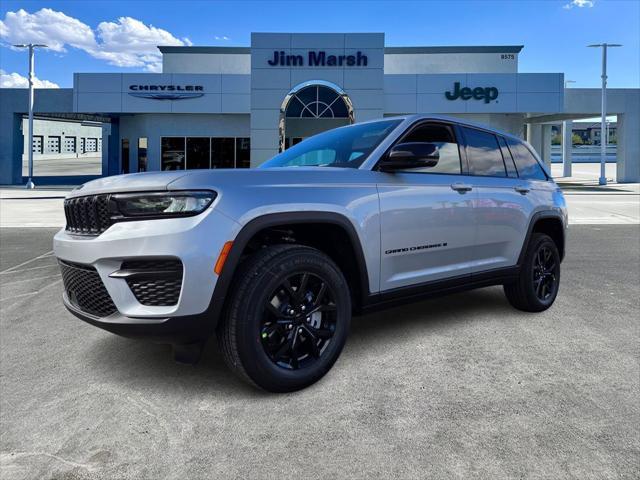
column 162, row 204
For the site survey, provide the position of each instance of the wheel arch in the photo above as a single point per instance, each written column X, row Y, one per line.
column 268, row 222
column 550, row 223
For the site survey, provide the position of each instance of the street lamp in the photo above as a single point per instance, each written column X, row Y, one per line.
column 31, row 47
column 603, row 119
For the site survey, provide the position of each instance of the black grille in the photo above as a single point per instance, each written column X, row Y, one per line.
column 154, row 282
column 87, row 215
column 85, row 289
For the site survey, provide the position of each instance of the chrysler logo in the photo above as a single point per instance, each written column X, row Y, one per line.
column 166, row 92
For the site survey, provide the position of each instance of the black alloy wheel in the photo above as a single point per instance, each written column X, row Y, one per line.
column 538, row 282
column 299, row 321
column 545, row 280
column 286, row 319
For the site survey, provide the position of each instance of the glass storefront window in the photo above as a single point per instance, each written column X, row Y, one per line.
column 142, row 154
column 173, row 153
column 124, row 154
column 202, row 152
column 223, row 152
column 243, row 152
column 198, row 152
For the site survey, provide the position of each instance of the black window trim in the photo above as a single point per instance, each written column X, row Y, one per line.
column 509, row 141
column 455, row 130
column 535, row 157
column 513, row 160
column 466, row 145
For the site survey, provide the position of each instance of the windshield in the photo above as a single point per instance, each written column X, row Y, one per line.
column 345, row 147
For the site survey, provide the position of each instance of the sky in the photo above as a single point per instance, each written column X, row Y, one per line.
column 121, row 36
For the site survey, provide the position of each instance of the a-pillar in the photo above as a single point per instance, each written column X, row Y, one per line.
column 567, row 146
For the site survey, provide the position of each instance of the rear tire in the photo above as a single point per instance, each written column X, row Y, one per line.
column 286, row 319
column 537, row 286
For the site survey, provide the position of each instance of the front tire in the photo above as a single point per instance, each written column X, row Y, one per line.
column 287, row 318
column 537, row 286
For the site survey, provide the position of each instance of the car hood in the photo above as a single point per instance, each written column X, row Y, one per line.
column 134, row 182
column 268, row 177
column 222, row 179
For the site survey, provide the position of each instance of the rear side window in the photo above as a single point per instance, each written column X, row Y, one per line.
column 508, row 159
column 528, row 166
column 442, row 136
column 483, row 153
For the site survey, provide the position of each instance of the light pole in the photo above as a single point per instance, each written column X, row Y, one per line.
column 31, row 47
column 603, row 119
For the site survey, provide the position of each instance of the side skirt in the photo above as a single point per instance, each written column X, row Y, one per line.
column 414, row 293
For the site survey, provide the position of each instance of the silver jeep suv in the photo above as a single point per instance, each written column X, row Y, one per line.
column 275, row 260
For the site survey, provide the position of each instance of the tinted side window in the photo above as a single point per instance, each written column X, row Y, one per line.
column 508, row 159
column 443, row 137
column 483, row 153
column 528, row 166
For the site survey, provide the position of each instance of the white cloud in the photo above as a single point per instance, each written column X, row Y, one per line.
column 15, row 80
column 579, row 4
column 46, row 26
column 223, row 38
column 127, row 42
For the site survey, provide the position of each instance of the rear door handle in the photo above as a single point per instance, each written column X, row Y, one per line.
column 522, row 190
column 461, row 187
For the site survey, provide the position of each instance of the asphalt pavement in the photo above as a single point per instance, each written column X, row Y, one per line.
column 462, row 386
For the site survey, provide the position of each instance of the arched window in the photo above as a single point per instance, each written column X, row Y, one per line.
column 313, row 100
column 317, row 101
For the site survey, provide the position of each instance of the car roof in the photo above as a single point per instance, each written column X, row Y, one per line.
column 423, row 116
column 460, row 121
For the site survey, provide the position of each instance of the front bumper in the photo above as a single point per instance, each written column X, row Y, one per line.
column 195, row 241
column 176, row 330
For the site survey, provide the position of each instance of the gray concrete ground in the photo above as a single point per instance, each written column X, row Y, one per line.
column 85, row 164
column 587, row 202
column 584, row 172
column 457, row 387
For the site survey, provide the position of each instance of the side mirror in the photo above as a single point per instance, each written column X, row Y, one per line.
column 411, row 155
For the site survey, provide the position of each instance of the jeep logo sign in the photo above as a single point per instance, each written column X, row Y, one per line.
column 479, row 93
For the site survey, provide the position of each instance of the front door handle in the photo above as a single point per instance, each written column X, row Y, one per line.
column 522, row 190
column 461, row 187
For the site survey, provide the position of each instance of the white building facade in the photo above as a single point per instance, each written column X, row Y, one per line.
column 221, row 107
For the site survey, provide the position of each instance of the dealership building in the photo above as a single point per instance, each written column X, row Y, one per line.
column 225, row 107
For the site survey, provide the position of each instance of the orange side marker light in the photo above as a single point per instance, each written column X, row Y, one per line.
column 224, row 253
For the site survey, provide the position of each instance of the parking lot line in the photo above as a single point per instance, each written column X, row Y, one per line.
column 30, row 279
column 8, row 271
column 31, row 293
column 11, row 269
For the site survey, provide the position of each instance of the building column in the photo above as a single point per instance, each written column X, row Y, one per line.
column 545, row 151
column 534, row 136
column 113, row 147
column 628, row 147
column 567, row 146
column 106, row 133
column 12, row 170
